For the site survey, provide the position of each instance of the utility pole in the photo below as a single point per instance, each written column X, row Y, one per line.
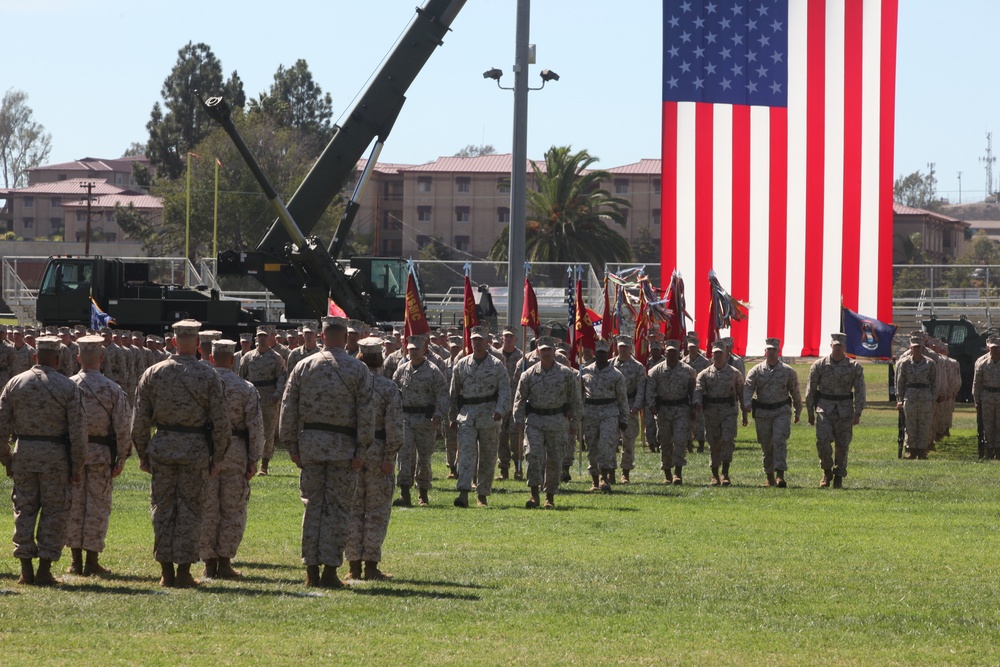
column 988, row 161
column 519, row 167
column 959, row 187
column 89, row 186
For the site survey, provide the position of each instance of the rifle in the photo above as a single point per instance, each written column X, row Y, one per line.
column 901, row 436
column 980, row 435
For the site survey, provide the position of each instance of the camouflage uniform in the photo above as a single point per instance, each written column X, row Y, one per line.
column 510, row 446
column 776, row 387
column 916, row 389
column 68, row 363
column 450, row 434
column 44, row 409
column 635, row 390
column 391, row 363
column 373, row 497
column 114, row 365
column 668, row 396
column 478, row 390
column 227, row 494
column 949, row 384
column 181, row 397
column 425, row 396
column 722, row 388
column 835, row 394
column 699, row 363
column 298, row 354
column 107, row 411
column 606, row 406
column 327, row 419
column 266, row 371
column 24, row 358
column 544, row 401
column 7, row 361
column 986, row 394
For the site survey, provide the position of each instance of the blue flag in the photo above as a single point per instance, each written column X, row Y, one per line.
column 98, row 318
column 866, row 336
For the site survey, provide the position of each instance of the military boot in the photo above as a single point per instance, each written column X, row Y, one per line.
column 625, row 477
column 595, row 481
column 167, row 578
column 715, row 477
column 452, row 472
column 504, row 474
column 691, row 448
column 606, row 476
column 76, row 566
column 211, row 568
column 355, row 573
column 184, row 578
column 780, row 479
column 404, row 498
column 462, row 500
column 666, row 477
column 93, row 566
column 422, row 498
column 566, row 477
column 225, row 570
column 550, row 501
column 827, row 478
column 481, row 501
column 330, row 578
column 43, row 577
column 372, row 573
column 263, row 467
column 518, row 471
column 27, row 577
column 678, row 479
column 312, row 576
column 701, row 446
column 838, row 482
column 770, row 479
column 532, row 501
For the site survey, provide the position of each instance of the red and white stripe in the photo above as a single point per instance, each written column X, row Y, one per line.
column 792, row 207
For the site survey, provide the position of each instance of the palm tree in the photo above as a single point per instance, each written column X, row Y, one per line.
column 569, row 215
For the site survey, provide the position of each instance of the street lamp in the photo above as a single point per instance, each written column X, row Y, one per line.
column 495, row 74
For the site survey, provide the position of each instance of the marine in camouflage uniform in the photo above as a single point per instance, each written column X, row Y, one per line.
column 69, row 351
column 113, row 364
column 772, row 386
column 916, row 391
column 986, row 395
column 605, row 415
column 309, row 348
column 635, row 390
column 425, row 403
column 227, row 494
column 44, row 409
column 373, row 497
column 7, row 358
column 480, row 397
column 949, row 384
column 717, row 392
column 510, row 447
column 451, row 434
column 649, row 418
column 327, row 423
column 547, row 409
column 699, row 362
column 24, row 356
column 835, row 398
column 109, row 444
column 264, row 368
column 184, row 399
column 669, row 390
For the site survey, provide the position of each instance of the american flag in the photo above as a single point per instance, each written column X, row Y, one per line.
column 777, row 160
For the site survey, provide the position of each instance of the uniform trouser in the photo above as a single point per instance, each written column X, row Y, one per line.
column 545, row 441
column 327, row 491
column 225, row 520
column 269, row 411
column 943, row 412
column 477, row 453
column 673, row 428
column 720, row 432
column 698, row 427
column 568, row 451
column 833, row 439
column 989, row 408
column 42, row 498
column 919, row 420
column 628, row 438
column 178, row 501
column 774, row 427
column 451, row 446
column 510, row 445
column 369, row 515
column 90, row 509
column 601, row 435
column 415, row 456
column 651, row 428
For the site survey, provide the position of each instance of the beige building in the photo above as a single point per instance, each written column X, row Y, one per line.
column 941, row 237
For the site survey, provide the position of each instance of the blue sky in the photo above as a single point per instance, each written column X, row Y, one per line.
column 93, row 71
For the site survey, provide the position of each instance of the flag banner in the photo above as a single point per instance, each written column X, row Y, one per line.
column 529, row 312
column 777, row 172
column 583, row 327
column 867, row 336
column 641, row 337
column 607, row 322
column 675, row 328
column 414, row 320
column 334, row 310
column 724, row 310
column 469, row 318
column 98, row 318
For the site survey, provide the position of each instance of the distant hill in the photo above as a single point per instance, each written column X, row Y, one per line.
column 975, row 211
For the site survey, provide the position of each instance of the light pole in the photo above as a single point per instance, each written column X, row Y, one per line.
column 519, row 158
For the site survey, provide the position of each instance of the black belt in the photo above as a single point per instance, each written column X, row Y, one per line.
column 244, row 433
column 918, row 385
column 632, row 394
column 319, row 426
column 774, row 406
column 101, row 440
column 834, row 397
column 380, row 435
column 419, row 410
column 545, row 412
column 995, row 390
column 265, row 383
column 720, row 400
column 672, row 402
column 600, row 401
column 54, row 439
column 177, row 428
column 478, row 400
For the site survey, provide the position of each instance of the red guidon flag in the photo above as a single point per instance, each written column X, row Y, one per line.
column 529, row 312
column 778, row 121
column 583, row 326
column 414, row 320
column 469, row 319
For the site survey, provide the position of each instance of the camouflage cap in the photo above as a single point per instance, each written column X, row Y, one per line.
column 602, row 345
column 309, row 327
column 335, row 323
column 48, row 344
column 623, row 340
column 454, row 341
column 993, row 341
column 656, row 345
column 64, row 331
column 672, row 344
column 692, row 339
column 80, row 328
column 223, row 346
column 186, row 328
column 414, row 342
column 208, row 336
column 356, row 326
column 479, row 332
column 508, row 331
column 370, row 345
column 89, row 343
column 772, row 344
column 838, row 339
column 263, row 330
column 916, row 341
column 546, row 342
column 718, row 346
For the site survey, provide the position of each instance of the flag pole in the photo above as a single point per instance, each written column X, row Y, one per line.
column 215, row 218
column 187, row 218
column 524, row 328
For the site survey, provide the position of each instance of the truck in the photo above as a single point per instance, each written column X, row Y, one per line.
column 299, row 269
column 965, row 345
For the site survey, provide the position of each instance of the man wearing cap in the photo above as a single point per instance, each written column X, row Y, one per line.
column 649, row 419
column 717, row 392
column 425, row 403
column 109, row 444
column 509, row 446
column 307, row 349
column 68, row 352
column 669, row 390
column 114, row 366
column 264, row 368
column 732, row 358
column 327, row 424
column 455, row 344
column 43, row 408
column 24, row 354
column 246, row 344
column 355, row 329
column 605, row 415
column 227, row 493
column 6, row 357
column 480, row 397
column 184, row 399
column 635, row 389
column 276, row 341
column 392, row 361
column 835, row 398
column 916, row 389
column 986, row 395
column 124, row 340
column 205, row 340
column 772, row 386
column 699, row 362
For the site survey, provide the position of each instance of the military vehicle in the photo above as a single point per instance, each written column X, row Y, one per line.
column 965, row 345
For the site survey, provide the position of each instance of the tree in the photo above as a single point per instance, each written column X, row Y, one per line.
column 296, row 100
column 473, row 150
column 569, row 215
column 918, row 190
column 646, row 249
column 135, row 149
column 24, row 143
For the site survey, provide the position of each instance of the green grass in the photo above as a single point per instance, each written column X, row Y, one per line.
column 900, row 568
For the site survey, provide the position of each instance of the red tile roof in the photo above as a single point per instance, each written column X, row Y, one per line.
column 644, row 167
column 124, row 199
column 499, row 163
column 384, row 167
column 123, row 164
column 901, row 209
column 70, row 186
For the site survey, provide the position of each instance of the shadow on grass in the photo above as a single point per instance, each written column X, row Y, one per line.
column 262, row 566
column 428, row 582
column 154, row 589
column 410, row 593
column 208, row 589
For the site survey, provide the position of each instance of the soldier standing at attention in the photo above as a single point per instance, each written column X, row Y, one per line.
column 6, row 357
column 669, row 390
column 635, row 391
column 699, row 362
column 480, row 397
column 308, row 347
column 68, row 353
column 373, row 497
column 114, row 366
column 227, row 493
column 109, row 445
column 327, row 424
column 24, row 355
column 264, row 368
column 44, row 409
column 986, row 394
column 185, row 400
column 776, row 387
column 649, row 417
column 547, row 409
column 509, row 447
column 835, row 398
column 246, row 344
column 716, row 394
column 451, row 434
column 605, row 415
column 916, row 389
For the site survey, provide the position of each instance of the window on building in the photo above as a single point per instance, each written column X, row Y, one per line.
column 423, row 214
column 29, row 202
column 109, row 216
column 56, row 224
column 392, row 247
column 947, row 239
column 56, row 202
column 463, row 184
column 656, row 186
column 423, row 241
column 29, row 223
column 503, row 215
column 462, row 213
column 119, row 179
column 621, row 186
column 462, row 243
column 391, row 220
column 503, row 184
column 656, row 217
column 61, row 177
column 81, row 216
column 424, row 184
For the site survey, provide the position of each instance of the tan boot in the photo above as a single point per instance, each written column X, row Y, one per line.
column 312, row 576
column 184, row 578
column 770, row 479
column 422, row 499
column 43, row 577
column 355, row 573
column 606, row 476
column 725, row 475
column 372, row 573
column 76, row 564
column 715, row 477
column 780, row 477
column 625, row 477
column 263, row 467
column 503, row 475
column 827, row 478
column 211, row 568
column 93, row 567
column 167, row 577
column 550, row 501
column 481, row 501
column 330, row 578
column 838, row 482
column 596, row 482
column 678, row 479
column 27, row 577
column 532, row 501
column 225, row 570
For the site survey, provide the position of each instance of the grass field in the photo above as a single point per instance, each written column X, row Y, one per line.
column 899, row 568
